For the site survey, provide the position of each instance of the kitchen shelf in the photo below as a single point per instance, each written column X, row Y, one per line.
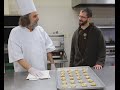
column 9, row 26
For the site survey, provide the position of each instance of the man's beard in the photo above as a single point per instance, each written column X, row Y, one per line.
column 33, row 25
column 83, row 23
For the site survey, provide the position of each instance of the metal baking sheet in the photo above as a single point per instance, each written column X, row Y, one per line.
column 91, row 73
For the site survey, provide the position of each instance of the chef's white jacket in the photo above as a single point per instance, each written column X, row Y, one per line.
column 31, row 46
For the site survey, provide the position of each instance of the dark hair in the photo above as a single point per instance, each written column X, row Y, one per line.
column 24, row 21
column 88, row 11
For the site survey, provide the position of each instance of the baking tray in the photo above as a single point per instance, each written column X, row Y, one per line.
column 81, row 70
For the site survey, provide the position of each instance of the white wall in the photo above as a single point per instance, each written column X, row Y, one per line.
column 6, row 7
column 10, row 8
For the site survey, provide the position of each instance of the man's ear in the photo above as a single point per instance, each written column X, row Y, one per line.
column 89, row 19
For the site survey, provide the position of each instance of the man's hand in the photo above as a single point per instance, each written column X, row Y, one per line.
column 35, row 72
column 98, row 67
column 53, row 67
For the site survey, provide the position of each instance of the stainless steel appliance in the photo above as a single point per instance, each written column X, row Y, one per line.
column 59, row 55
column 110, row 51
column 58, row 41
column 109, row 36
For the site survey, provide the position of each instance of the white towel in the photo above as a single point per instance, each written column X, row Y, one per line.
column 45, row 75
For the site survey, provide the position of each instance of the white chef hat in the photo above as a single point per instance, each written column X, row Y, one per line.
column 26, row 6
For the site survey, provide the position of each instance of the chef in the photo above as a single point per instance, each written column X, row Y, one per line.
column 29, row 46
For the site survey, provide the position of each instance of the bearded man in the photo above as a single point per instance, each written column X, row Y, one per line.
column 29, row 46
column 88, row 45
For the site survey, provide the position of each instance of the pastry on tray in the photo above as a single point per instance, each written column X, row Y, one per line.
column 76, row 71
column 63, row 78
column 83, row 68
column 80, row 81
column 83, row 84
column 77, row 74
column 71, row 78
column 70, row 75
column 62, row 70
column 62, row 75
column 90, row 80
column 64, row 86
column 72, row 85
column 85, row 74
column 72, row 81
column 93, row 84
column 69, row 70
column 64, row 82
column 84, row 71
column 87, row 77
column 78, row 77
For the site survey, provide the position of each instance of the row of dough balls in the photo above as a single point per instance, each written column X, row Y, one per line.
column 92, row 83
column 64, row 83
column 86, row 76
column 74, row 85
column 77, row 74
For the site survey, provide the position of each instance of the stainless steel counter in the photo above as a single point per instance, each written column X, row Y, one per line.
column 17, row 81
column 107, row 75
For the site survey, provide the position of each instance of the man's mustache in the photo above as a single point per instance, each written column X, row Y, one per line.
column 80, row 21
